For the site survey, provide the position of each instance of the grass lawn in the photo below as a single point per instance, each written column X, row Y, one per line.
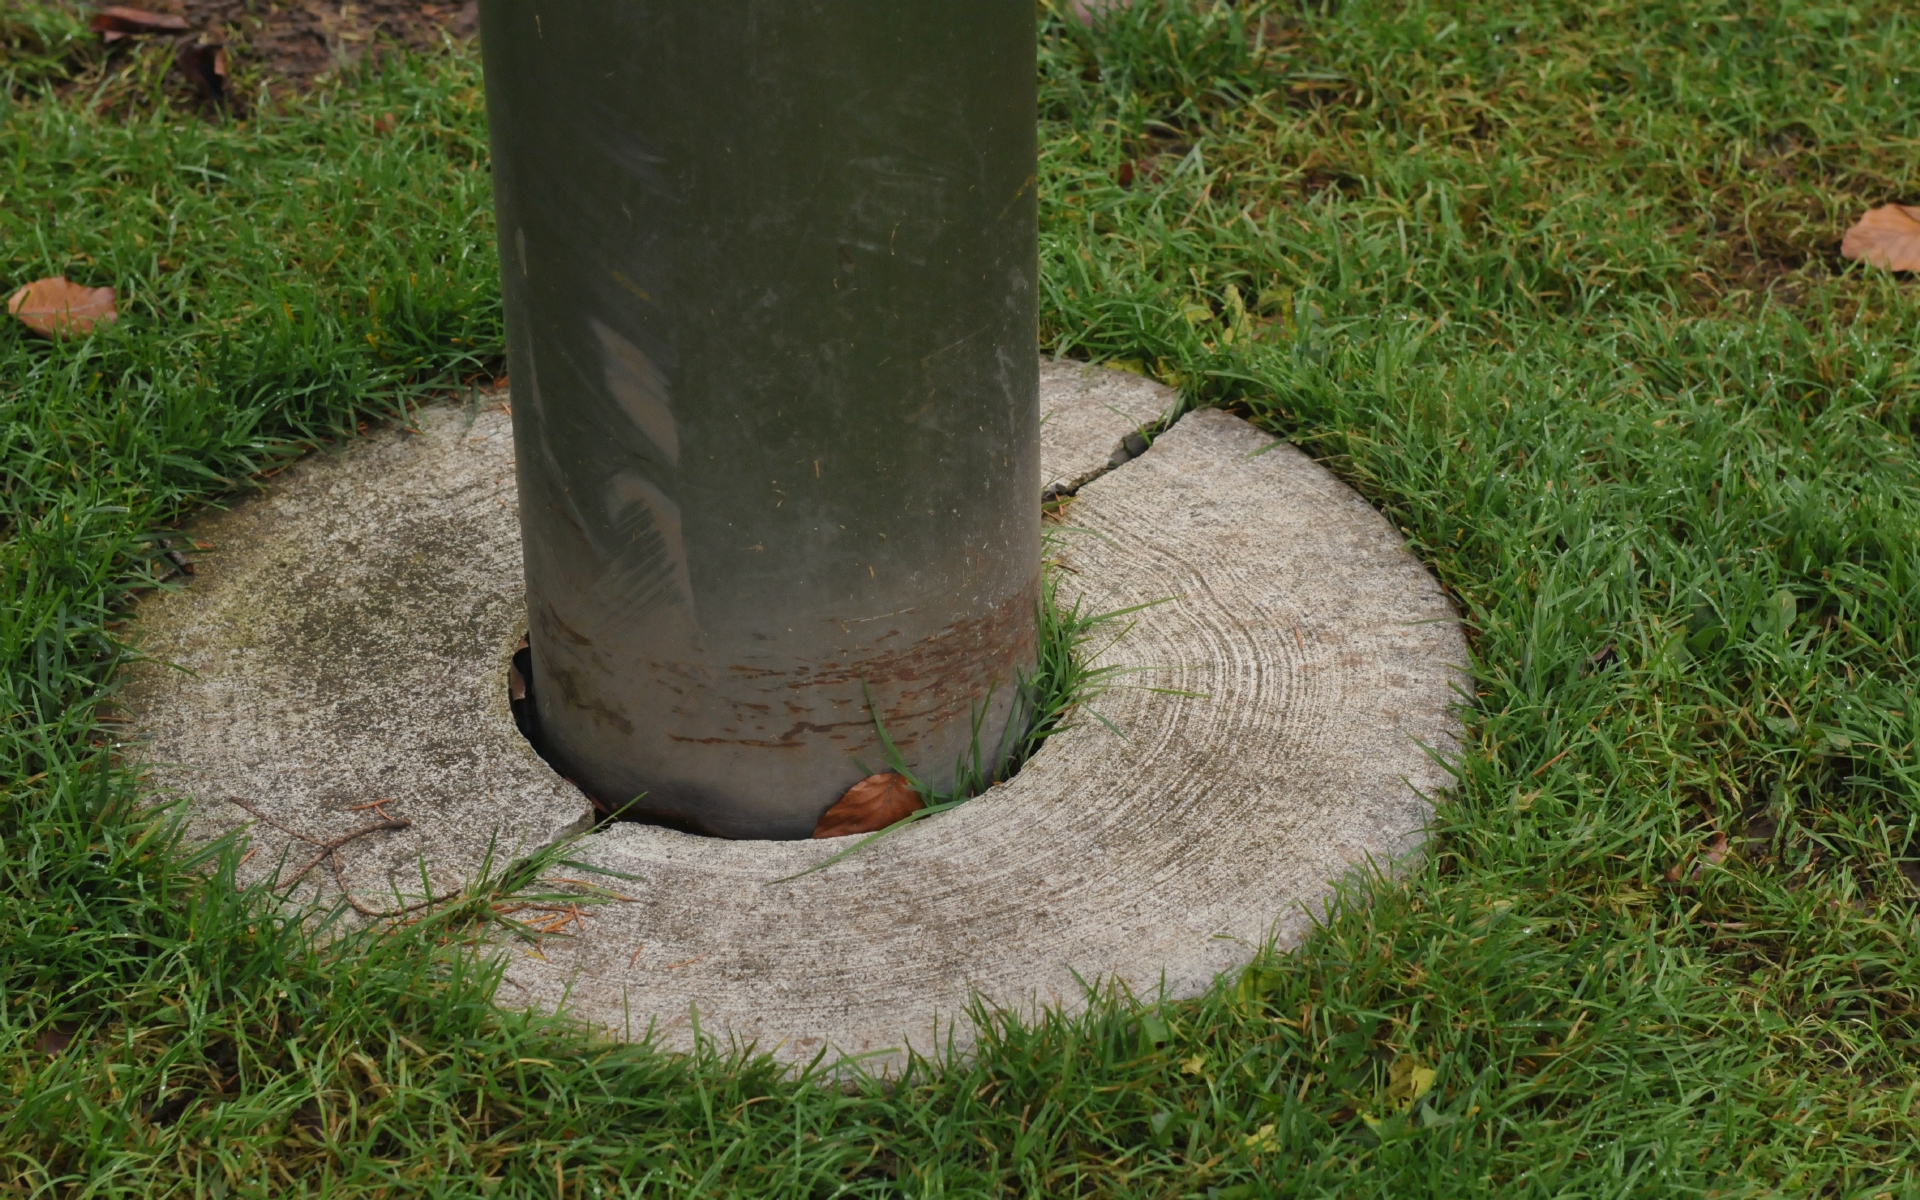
column 1554, row 283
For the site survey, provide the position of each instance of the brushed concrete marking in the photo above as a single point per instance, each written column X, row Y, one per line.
column 1311, row 657
column 349, row 640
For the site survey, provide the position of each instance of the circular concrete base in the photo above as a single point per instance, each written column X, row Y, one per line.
column 1287, row 698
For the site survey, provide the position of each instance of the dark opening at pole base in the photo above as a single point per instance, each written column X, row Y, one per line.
column 526, row 718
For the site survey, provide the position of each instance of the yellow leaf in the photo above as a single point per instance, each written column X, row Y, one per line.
column 1423, row 1078
column 1407, row 1081
column 1237, row 324
column 1194, row 1065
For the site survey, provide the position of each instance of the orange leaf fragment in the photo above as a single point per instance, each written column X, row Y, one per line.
column 55, row 308
column 869, row 806
column 1888, row 236
column 1716, row 853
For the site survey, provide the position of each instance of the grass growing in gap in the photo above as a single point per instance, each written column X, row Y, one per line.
column 1066, row 679
column 1554, row 284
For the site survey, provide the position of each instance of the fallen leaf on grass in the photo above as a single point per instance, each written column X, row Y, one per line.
column 1888, row 236
column 55, row 308
column 117, row 21
column 1714, row 855
column 869, row 806
column 1408, row 1079
column 55, row 1038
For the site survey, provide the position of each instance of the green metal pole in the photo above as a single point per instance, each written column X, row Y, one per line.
column 770, row 275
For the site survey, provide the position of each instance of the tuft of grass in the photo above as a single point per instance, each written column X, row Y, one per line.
column 1065, row 680
column 1067, row 677
column 41, row 45
column 1554, row 284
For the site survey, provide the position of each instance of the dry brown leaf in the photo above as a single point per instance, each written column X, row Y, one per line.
column 56, row 1038
column 55, row 308
column 1888, row 236
column 869, row 806
column 1715, row 854
column 117, row 21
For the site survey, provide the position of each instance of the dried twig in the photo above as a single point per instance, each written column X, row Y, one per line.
column 327, row 848
column 387, row 914
column 329, row 853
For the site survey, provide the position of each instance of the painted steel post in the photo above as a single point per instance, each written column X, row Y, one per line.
column 770, row 275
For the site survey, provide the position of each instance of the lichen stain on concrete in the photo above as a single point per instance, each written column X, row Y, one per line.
column 343, row 641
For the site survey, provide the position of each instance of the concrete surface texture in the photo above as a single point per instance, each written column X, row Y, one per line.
column 1085, row 413
column 344, row 641
column 1284, row 699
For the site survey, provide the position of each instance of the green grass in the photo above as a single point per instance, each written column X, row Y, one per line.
column 1554, row 284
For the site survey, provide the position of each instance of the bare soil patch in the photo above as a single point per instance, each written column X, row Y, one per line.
column 293, row 42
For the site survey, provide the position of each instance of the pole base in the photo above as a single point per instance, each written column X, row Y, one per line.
column 349, row 634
